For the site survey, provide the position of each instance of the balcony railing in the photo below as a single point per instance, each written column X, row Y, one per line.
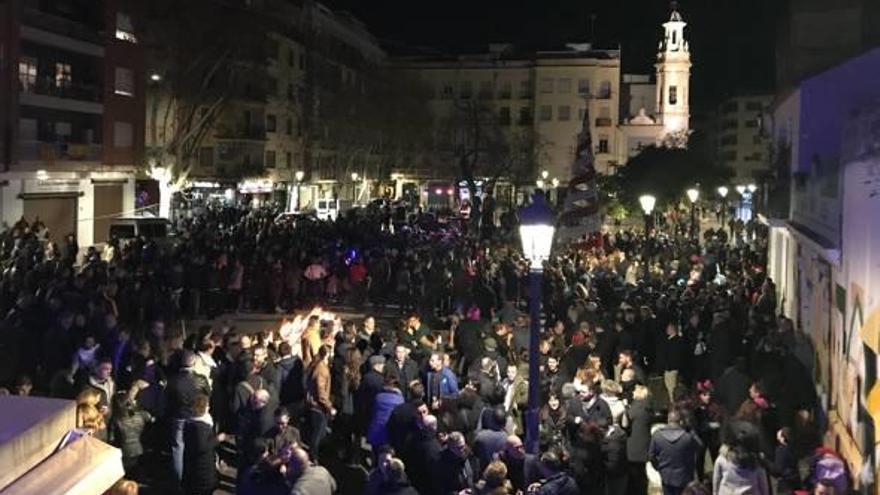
column 67, row 90
column 49, row 152
column 253, row 132
column 46, row 21
column 603, row 122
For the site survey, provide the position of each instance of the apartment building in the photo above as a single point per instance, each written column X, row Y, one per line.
column 72, row 120
column 741, row 140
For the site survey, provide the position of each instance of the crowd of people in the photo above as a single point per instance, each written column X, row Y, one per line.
column 655, row 350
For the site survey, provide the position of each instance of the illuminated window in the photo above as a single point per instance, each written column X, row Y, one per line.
column 124, row 28
column 27, row 73
column 62, row 75
column 124, row 84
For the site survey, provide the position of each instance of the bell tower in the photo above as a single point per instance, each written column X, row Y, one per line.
column 673, row 76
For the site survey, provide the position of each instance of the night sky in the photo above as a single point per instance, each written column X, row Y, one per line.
column 732, row 41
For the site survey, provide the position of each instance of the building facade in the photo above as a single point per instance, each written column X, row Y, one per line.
column 741, row 140
column 821, row 255
column 72, row 96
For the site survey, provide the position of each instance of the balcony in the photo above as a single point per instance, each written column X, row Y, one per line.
column 52, row 152
column 51, row 29
column 84, row 98
column 242, row 132
column 603, row 122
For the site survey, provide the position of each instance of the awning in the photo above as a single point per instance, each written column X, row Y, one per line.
column 87, row 466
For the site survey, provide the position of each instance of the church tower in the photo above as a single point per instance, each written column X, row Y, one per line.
column 673, row 77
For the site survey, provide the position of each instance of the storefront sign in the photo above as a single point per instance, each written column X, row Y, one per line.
column 258, row 186
column 51, row 186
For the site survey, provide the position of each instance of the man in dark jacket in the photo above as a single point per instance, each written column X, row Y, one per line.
column 587, row 406
column 492, row 438
column 673, row 453
column 199, row 471
column 556, row 480
column 522, row 469
column 456, row 470
column 290, row 378
column 182, row 391
column 614, row 458
column 372, row 383
column 403, row 423
column 403, row 367
column 422, row 453
column 733, row 387
column 254, row 422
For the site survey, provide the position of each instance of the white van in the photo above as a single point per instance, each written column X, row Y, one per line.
column 327, row 209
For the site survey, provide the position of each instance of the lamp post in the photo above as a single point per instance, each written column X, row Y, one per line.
column 752, row 188
column 741, row 189
column 722, row 191
column 647, row 202
column 299, row 178
column 354, row 178
column 536, row 233
column 693, row 195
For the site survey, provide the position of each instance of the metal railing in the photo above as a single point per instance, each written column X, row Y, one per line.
column 49, row 152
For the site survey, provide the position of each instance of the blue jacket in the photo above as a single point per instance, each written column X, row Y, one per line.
column 384, row 404
column 448, row 384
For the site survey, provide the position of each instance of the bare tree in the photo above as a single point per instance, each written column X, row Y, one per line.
column 202, row 54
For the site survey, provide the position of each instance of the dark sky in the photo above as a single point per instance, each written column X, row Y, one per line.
column 732, row 41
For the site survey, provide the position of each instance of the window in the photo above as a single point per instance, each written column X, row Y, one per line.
column 124, row 28
column 754, row 106
column 729, row 140
column 291, row 58
column 63, row 129
column 506, row 90
column 447, row 91
column 124, row 84
column 583, row 87
column 27, row 73
column 123, row 135
column 525, row 89
column 485, row 90
column 546, row 84
column 729, row 124
column 563, row 86
column 289, row 126
column 62, row 75
column 291, row 91
column 288, row 160
column 752, row 123
column 603, row 145
column 525, row 116
column 605, row 90
column 504, row 116
column 729, row 156
column 730, row 107
column 545, row 114
column 756, row 139
column 563, row 113
column 271, row 123
column 206, row 157
column 673, row 95
column 466, row 90
column 270, row 159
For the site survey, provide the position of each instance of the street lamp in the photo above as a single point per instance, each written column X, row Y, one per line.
column 299, row 175
column 354, row 179
column 647, row 201
column 540, row 184
column 555, row 182
column 722, row 191
column 536, row 233
column 752, row 188
column 545, row 174
column 693, row 195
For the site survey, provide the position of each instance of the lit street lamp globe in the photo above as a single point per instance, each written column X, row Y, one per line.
column 540, row 184
column 741, row 189
column 536, row 231
column 647, row 202
column 555, row 182
column 354, row 176
column 299, row 175
column 722, row 191
column 752, row 188
column 693, row 195
column 545, row 174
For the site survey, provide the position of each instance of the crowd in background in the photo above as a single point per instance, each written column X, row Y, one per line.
column 655, row 349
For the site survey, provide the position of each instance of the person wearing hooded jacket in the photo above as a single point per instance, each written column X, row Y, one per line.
column 673, row 453
column 555, row 481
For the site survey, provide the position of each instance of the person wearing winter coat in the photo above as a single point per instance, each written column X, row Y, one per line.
column 638, row 421
column 522, row 468
column 673, row 453
column 199, row 452
column 263, row 478
column 737, row 469
column 554, row 479
column 615, row 459
column 129, row 422
column 456, row 469
column 306, row 478
column 396, row 482
column 383, row 405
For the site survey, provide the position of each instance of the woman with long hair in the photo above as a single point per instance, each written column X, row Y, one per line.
column 737, row 469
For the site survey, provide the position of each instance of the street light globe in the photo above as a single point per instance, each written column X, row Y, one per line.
column 540, row 184
column 722, row 191
column 299, row 175
column 752, row 188
column 693, row 195
column 545, row 174
column 536, row 228
column 155, row 77
column 647, row 201
column 555, row 182
column 354, row 176
column 741, row 189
